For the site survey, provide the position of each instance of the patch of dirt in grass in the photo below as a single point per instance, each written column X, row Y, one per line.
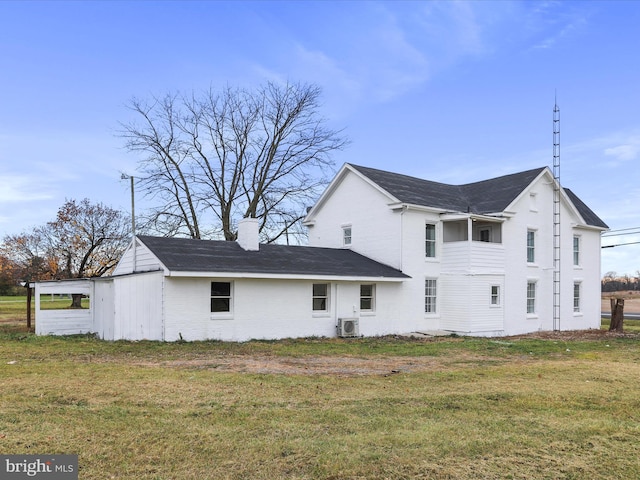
column 321, row 365
column 346, row 366
column 576, row 335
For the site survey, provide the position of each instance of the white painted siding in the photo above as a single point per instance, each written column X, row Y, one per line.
column 104, row 308
column 374, row 226
column 467, row 304
column 145, row 261
column 270, row 309
column 138, row 311
column 455, row 302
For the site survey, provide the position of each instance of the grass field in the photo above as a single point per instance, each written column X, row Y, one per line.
column 379, row 408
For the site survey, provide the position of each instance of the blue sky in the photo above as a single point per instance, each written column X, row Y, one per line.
column 448, row 91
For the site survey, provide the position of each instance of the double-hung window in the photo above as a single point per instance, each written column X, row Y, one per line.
column 320, row 300
column 495, row 295
column 531, row 246
column 576, row 250
column 367, row 297
column 430, row 295
column 430, row 240
column 221, row 297
column 576, row 297
column 346, row 236
column 531, row 297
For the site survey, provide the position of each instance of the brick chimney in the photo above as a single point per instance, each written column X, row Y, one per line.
column 248, row 234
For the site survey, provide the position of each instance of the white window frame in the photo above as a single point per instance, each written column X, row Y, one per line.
column 577, row 297
column 430, row 296
column 317, row 296
column 577, row 243
column 347, row 235
column 371, row 298
column 531, row 246
column 430, row 250
column 532, row 291
column 229, row 297
column 495, row 296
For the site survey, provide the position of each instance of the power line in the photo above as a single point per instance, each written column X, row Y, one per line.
column 635, row 232
column 620, row 244
column 622, row 229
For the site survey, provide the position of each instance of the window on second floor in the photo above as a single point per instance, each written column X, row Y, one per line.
column 346, row 235
column 531, row 246
column 576, row 250
column 485, row 234
column 430, row 240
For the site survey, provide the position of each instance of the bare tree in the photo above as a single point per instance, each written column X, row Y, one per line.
column 218, row 157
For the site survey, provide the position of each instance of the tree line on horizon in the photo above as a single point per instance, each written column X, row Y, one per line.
column 612, row 282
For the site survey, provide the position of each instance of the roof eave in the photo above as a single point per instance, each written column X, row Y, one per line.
column 287, row 276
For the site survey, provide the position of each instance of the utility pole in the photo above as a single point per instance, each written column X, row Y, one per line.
column 124, row 176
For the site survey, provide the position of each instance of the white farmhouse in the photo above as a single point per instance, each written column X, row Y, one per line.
column 388, row 254
column 480, row 256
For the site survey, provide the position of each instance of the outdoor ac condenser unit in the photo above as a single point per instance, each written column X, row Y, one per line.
column 348, row 327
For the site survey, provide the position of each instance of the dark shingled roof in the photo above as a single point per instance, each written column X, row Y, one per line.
column 488, row 196
column 189, row 255
column 485, row 197
column 589, row 216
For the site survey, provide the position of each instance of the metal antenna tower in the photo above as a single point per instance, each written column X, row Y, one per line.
column 556, row 216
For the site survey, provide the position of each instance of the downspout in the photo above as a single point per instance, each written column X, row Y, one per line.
column 402, row 212
column 335, row 304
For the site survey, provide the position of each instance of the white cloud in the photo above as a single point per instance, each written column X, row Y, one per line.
column 625, row 152
column 20, row 188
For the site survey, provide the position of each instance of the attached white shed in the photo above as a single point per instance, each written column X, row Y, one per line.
column 200, row 289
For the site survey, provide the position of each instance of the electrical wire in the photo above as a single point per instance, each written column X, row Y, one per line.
column 619, row 244
column 622, row 229
column 621, row 234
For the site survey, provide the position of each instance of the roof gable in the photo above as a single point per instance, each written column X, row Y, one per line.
column 202, row 256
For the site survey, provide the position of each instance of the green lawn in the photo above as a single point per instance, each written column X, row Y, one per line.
column 476, row 409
